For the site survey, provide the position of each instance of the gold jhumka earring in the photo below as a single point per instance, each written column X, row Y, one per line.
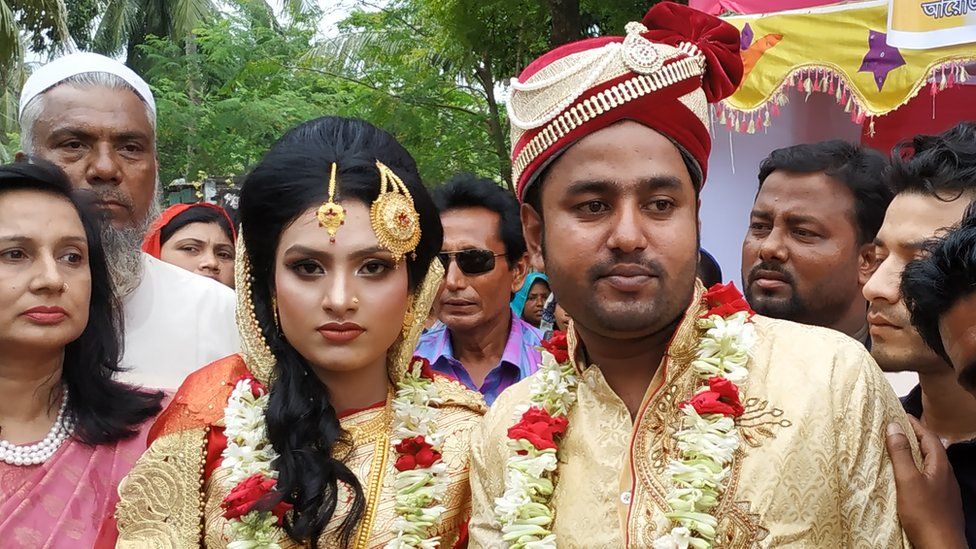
column 331, row 214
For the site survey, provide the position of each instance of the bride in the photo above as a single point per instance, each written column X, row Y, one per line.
column 324, row 431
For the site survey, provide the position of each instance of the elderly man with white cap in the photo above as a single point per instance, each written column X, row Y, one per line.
column 96, row 119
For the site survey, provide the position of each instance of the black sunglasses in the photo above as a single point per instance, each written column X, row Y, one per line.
column 471, row 262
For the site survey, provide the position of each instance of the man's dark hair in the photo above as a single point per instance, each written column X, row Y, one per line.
column 105, row 409
column 467, row 190
column 941, row 165
column 934, row 283
column 859, row 168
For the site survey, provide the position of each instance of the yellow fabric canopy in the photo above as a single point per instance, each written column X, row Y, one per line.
column 840, row 50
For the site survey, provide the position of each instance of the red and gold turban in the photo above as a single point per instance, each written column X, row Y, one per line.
column 663, row 74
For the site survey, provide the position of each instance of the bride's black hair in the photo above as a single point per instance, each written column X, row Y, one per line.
column 302, row 424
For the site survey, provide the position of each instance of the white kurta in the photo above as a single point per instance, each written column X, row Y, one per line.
column 175, row 322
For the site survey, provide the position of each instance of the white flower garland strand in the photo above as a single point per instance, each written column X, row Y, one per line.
column 248, row 452
column 707, row 443
column 420, row 491
column 523, row 510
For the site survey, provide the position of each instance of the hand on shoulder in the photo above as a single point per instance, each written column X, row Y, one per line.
column 929, row 504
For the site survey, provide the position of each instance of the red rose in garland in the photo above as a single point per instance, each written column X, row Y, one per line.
column 257, row 389
column 415, row 453
column 539, row 428
column 725, row 300
column 558, row 346
column 253, row 494
column 722, row 397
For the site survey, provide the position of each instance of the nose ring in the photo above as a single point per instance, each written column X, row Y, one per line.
column 355, row 301
column 64, row 287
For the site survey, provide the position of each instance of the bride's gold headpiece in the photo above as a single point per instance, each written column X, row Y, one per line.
column 331, row 214
column 393, row 216
column 396, row 223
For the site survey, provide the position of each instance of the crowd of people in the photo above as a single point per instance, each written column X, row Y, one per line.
column 358, row 361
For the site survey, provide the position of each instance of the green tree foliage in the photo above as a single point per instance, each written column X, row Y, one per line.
column 126, row 24
column 470, row 47
column 230, row 76
column 34, row 24
column 243, row 96
column 253, row 81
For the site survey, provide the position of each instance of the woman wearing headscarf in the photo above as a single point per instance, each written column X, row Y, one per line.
column 69, row 431
column 196, row 237
column 530, row 300
column 324, row 431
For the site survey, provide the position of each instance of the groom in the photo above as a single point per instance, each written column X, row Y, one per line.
column 784, row 442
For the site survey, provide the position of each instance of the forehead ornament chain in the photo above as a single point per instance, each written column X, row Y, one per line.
column 332, row 215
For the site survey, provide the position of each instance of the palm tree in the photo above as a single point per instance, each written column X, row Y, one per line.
column 125, row 24
column 47, row 17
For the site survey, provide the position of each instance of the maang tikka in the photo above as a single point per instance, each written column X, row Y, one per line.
column 331, row 214
column 393, row 216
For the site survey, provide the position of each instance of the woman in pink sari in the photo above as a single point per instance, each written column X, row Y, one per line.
column 68, row 431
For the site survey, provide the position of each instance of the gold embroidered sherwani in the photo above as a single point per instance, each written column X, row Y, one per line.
column 812, row 470
column 171, row 499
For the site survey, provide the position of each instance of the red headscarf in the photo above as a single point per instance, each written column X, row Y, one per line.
column 152, row 244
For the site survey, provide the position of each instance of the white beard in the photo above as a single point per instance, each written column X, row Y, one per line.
column 123, row 251
column 124, row 254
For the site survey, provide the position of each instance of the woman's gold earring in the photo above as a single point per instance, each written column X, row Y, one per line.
column 274, row 312
column 408, row 317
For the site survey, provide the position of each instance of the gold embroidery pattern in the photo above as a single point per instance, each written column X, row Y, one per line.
column 825, row 481
column 254, row 348
column 400, row 354
column 654, row 436
column 374, row 431
column 160, row 500
column 739, row 528
column 374, row 492
column 759, row 420
column 455, row 393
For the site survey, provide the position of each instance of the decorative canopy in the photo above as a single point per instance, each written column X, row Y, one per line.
column 840, row 50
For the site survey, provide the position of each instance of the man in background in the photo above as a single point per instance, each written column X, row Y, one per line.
column 480, row 342
column 934, row 182
column 96, row 119
column 809, row 248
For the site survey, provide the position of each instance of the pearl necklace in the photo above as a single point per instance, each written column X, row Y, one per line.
column 40, row 452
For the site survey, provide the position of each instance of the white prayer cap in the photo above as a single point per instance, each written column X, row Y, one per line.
column 73, row 64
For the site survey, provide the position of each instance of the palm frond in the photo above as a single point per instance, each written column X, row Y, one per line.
column 352, row 50
column 10, row 51
column 186, row 15
column 118, row 21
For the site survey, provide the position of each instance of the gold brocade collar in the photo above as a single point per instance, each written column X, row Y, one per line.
column 680, row 348
column 369, row 425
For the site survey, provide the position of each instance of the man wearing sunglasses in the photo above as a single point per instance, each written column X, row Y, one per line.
column 479, row 341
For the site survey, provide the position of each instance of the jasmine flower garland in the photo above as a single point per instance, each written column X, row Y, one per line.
column 421, row 479
column 707, row 437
